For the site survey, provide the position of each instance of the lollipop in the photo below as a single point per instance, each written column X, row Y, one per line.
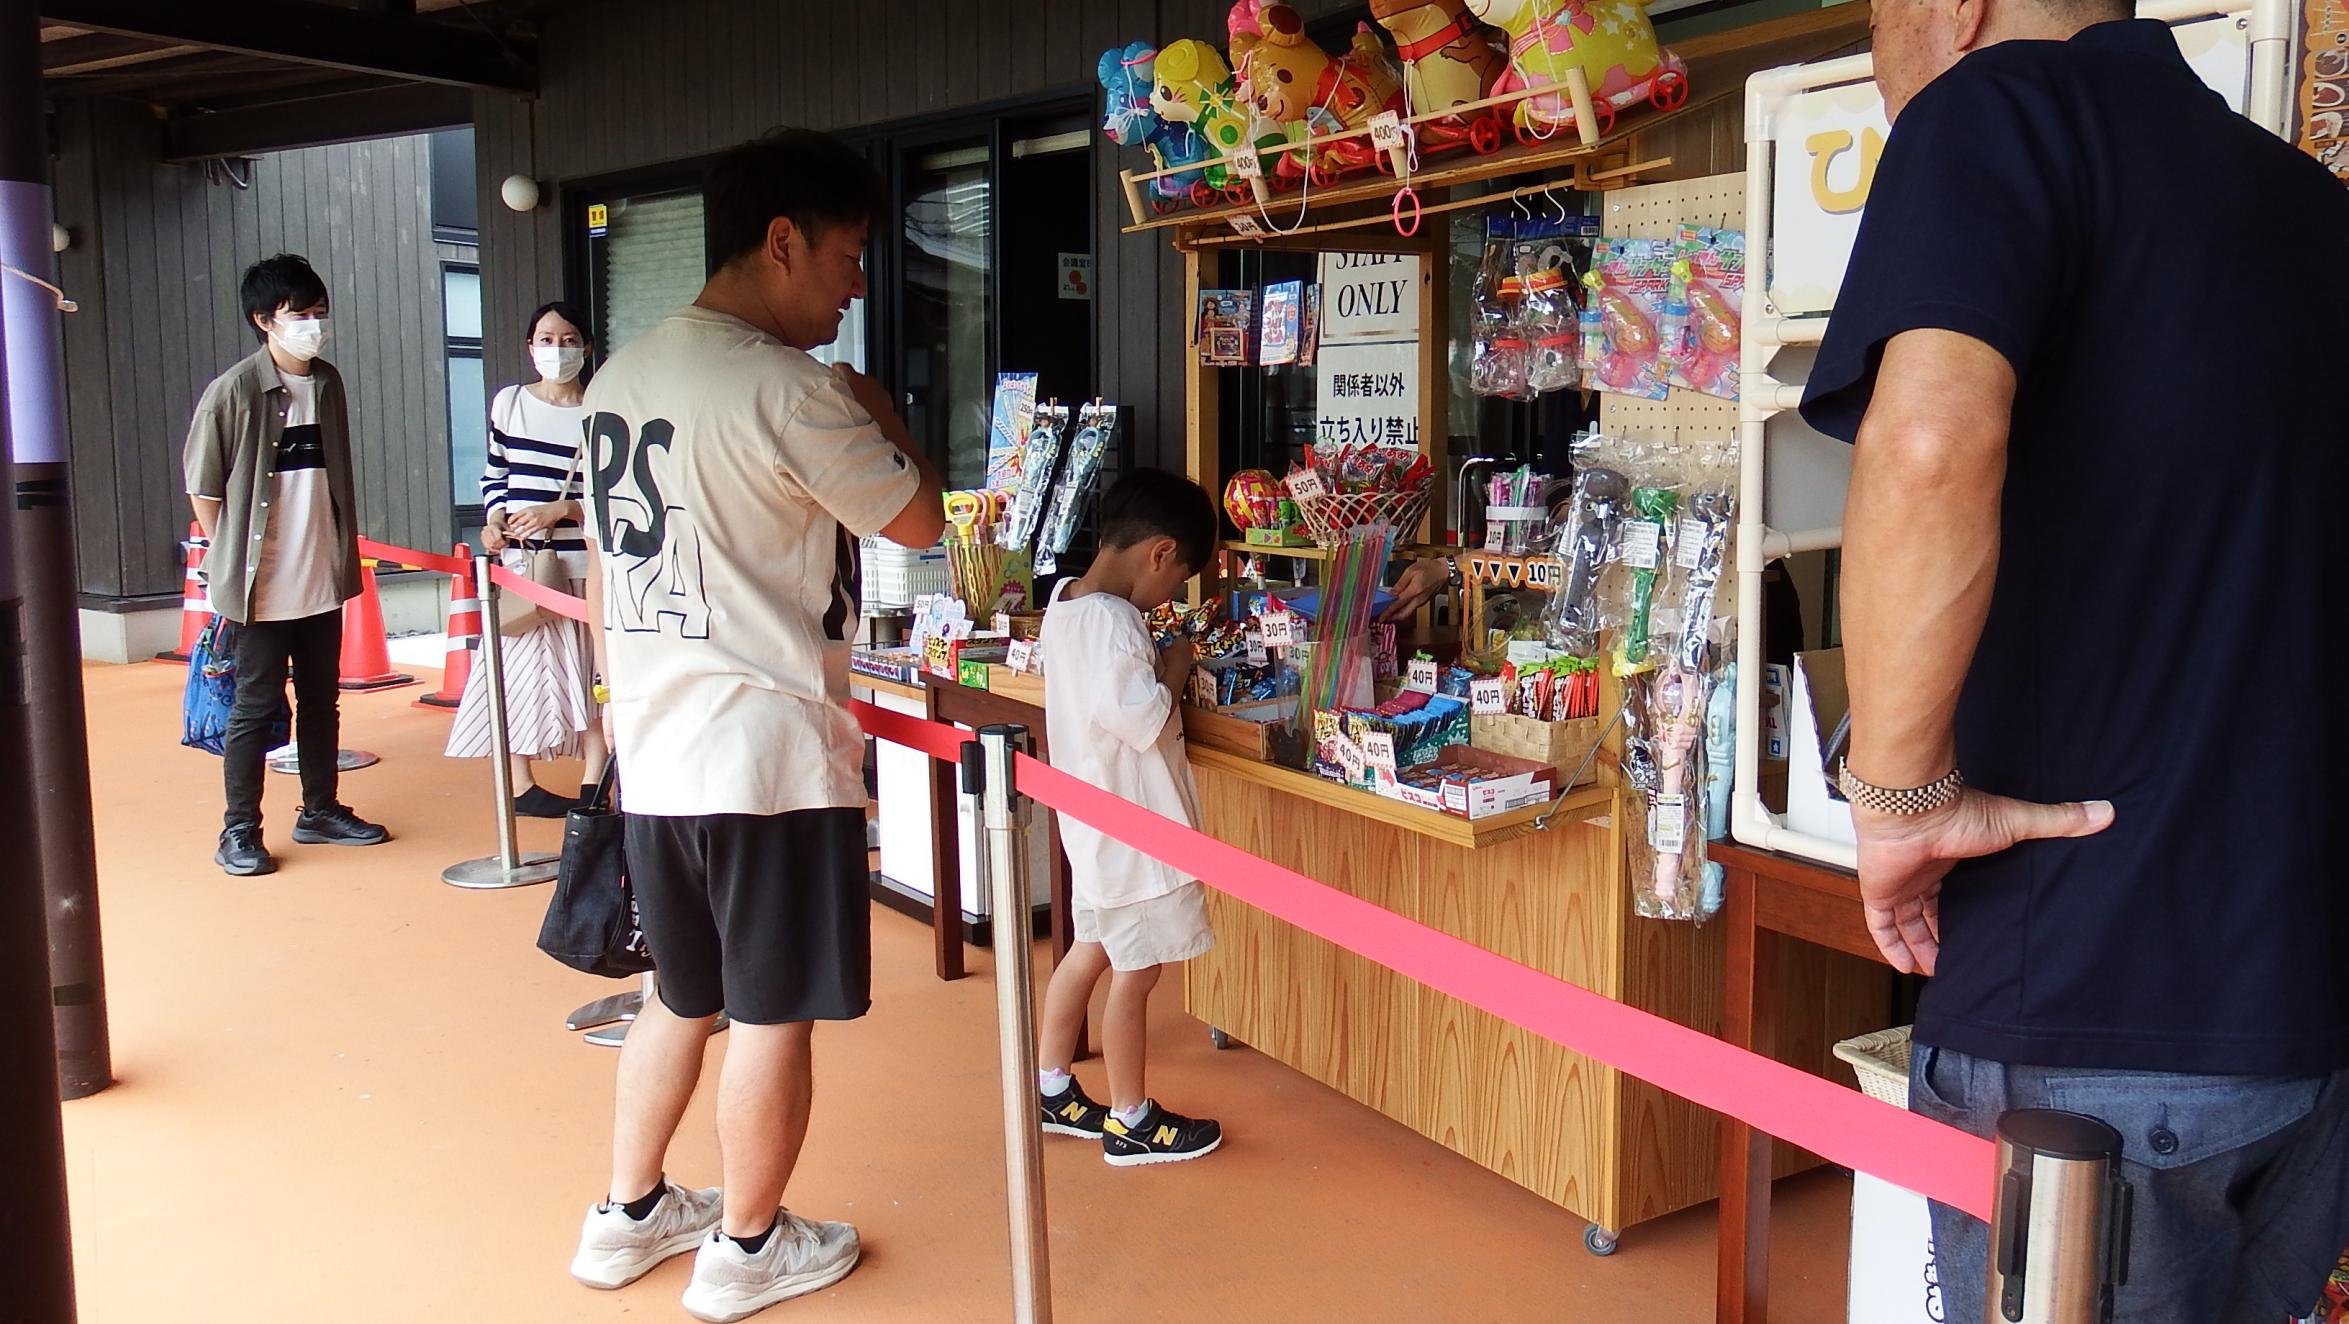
column 1253, row 499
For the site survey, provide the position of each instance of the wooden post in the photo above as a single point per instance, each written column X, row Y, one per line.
column 1586, row 110
column 1435, row 375
column 1202, row 397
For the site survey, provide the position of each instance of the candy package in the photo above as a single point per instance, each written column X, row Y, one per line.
column 1702, row 312
column 1284, row 311
column 1622, row 317
column 1096, row 427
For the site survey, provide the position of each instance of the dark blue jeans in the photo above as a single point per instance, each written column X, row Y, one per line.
column 2241, row 1182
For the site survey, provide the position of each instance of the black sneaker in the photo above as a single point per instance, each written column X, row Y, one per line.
column 1071, row 1113
column 1160, row 1137
column 539, row 802
column 241, row 854
column 336, row 825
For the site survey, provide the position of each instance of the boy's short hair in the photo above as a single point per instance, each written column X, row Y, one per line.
column 1152, row 503
column 284, row 281
column 813, row 178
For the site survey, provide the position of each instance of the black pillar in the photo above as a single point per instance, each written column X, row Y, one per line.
column 63, row 850
column 32, row 1129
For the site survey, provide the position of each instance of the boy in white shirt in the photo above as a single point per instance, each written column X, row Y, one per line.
column 1109, row 701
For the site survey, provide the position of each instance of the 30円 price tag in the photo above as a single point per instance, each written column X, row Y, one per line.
column 1280, row 629
column 1420, row 675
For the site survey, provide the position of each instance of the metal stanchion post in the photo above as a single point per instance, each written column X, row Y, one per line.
column 509, row 867
column 1005, row 815
column 2059, row 1243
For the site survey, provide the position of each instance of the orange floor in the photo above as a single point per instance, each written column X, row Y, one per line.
column 346, row 1094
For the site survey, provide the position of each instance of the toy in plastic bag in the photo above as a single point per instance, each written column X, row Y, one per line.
column 1548, row 322
column 1702, row 312
column 1586, row 546
column 1622, row 319
column 1096, row 425
column 1501, row 357
column 1041, row 455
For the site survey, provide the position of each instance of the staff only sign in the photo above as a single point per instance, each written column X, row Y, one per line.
column 1367, row 374
column 1829, row 141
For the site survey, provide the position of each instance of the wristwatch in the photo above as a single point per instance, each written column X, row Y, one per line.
column 1452, row 575
column 1887, row 800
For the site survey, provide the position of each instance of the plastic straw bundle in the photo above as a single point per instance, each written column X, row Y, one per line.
column 1341, row 628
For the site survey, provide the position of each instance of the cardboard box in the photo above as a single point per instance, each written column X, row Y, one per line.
column 1819, row 711
column 1502, row 784
column 1243, row 728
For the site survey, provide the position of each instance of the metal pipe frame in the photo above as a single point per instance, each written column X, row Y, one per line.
column 1005, row 815
column 509, row 867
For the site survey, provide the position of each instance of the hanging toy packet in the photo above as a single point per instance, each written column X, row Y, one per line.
column 1702, row 314
column 1622, row 322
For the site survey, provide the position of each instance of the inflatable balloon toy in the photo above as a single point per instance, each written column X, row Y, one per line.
column 1129, row 120
column 1611, row 41
column 1449, row 59
column 1305, row 90
column 1191, row 84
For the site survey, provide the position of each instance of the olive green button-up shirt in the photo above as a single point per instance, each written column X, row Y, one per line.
column 231, row 458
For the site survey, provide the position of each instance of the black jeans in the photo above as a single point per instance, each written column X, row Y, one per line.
column 312, row 647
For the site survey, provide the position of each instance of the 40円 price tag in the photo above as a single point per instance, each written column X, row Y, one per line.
column 1022, row 656
column 1378, row 749
column 1488, row 697
column 1421, row 675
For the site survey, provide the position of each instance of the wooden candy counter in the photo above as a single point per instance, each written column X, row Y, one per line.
column 1610, row 1149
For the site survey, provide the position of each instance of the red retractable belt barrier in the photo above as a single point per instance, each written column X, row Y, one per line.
column 554, row 600
column 1838, row 1124
column 411, row 559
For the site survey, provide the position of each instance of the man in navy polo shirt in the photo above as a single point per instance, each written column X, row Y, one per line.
column 2089, row 348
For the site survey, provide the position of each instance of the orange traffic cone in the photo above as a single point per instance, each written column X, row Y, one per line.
column 464, row 637
column 366, row 663
column 195, row 610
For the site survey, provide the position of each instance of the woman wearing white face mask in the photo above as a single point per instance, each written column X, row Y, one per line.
column 531, row 492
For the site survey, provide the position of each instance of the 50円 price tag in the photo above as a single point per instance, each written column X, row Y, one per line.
column 1306, row 484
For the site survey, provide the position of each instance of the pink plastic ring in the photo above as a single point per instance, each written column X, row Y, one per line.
column 1406, row 192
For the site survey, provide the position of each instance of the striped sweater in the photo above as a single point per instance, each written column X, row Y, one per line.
column 532, row 448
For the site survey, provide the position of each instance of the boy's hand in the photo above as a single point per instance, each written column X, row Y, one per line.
column 1175, row 662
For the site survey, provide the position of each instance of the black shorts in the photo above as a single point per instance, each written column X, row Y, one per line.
column 767, row 917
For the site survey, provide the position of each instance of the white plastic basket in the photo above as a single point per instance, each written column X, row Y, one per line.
column 1881, row 1061
column 894, row 576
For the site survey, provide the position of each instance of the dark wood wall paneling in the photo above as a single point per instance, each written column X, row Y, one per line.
column 631, row 85
column 156, row 262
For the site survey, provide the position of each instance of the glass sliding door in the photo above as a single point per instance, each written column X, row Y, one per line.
column 946, row 317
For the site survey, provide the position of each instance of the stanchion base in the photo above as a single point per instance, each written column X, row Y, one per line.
column 345, row 760
column 442, row 702
column 370, row 684
column 612, row 1036
column 490, row 873
column 605, row 1011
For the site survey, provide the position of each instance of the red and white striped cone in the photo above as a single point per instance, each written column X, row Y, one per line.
column 195, row 609
column 366, row 662
column 464, row 637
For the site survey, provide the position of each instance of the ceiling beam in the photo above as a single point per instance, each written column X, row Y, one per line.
column 397, row 47
column 91, row 54
column 385, row 112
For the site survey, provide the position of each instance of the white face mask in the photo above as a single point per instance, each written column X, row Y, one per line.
column 558, row 363
column 301, row 337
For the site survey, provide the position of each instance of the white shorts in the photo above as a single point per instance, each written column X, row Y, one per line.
column 1160, row 931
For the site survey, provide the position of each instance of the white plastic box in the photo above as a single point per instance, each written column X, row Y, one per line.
column 894, row 576
column 1817, row 708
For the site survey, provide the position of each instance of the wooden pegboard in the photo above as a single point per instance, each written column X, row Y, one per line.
column 1657, row 211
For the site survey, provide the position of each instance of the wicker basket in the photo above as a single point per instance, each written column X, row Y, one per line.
column 1881, row 1060
column 1330, row 518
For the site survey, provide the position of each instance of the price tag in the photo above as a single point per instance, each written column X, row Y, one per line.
column 1487, row 696
column 1386, row 131
column 1306, row 484
column 1378, row 749
column 1023, row 656
column 1642, row 544
column 1541, row 574
column 1003, row 622
column 1256, row 654
column 1668, row 825
column 1350, row 758
column 1247, row 163
column 1692, row 544
column 1494, row 537
column 1280, row 629
column 1245, row 225
column 1421, row 676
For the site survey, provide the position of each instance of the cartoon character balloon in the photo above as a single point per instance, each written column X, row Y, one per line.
column 1611, row 41
column 1449, row 59
column 1192, row 85
column 1303, row 89
column 1126, row 74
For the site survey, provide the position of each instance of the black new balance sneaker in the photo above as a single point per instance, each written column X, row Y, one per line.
column 1160, row 1137
column 1071, row 1113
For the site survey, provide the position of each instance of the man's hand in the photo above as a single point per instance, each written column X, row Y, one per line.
column 1420, row 581
column 1904, row 857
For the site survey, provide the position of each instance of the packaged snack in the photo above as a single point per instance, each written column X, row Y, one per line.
column 1622, row 320
column 1283, row 318
column 1702, row 314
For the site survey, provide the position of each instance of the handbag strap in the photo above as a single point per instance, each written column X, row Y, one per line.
column 600, row 800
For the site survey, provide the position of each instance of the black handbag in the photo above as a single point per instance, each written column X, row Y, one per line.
column 591, row 923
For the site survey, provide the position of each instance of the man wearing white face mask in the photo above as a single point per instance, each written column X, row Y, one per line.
column 530, row 492
column 268, row 465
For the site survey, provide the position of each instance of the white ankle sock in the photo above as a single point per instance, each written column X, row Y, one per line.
column 1053, row 1083
column 1131, row 1116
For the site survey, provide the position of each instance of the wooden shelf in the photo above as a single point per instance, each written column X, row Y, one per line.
column 1587, row 804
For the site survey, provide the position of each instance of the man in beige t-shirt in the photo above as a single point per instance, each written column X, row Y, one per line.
column 730, row 475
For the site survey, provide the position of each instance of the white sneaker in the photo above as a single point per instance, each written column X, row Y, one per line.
column 616, row 1250
column 803, row 1256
